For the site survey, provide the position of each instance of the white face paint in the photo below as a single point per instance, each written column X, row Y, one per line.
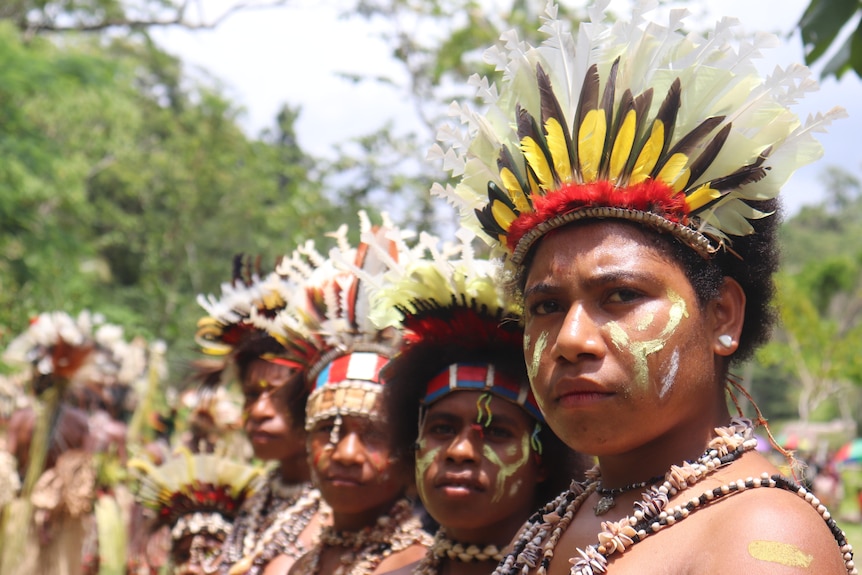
column 670, row 376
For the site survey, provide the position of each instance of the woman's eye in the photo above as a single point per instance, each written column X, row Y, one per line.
column 498, row 432
column 439, row 429
column 545, row 307
column 623, row 295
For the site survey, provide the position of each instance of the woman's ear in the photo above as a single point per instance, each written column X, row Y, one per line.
column 728, row 313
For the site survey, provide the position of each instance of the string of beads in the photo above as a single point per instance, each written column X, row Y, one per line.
column 444, row 548
column 275, row 518
column 534, row 547
column 364, row 550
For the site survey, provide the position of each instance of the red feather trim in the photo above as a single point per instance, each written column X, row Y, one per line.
column 648, row 196
column 462, row 328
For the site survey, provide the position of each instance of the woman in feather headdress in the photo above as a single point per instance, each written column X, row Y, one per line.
column 57, row 446
column 461, row 409
column 196, row 497
column 278, row 523
column 629, row 175
column 374, row 527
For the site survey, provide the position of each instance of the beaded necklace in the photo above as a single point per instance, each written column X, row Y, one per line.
column 608, row 499
column 535, row 545
column 443, row 547
column 365, row 549
column 270, row 526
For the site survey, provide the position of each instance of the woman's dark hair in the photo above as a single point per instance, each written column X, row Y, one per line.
column 751, row 260
column 407, row 376
column 291, row 397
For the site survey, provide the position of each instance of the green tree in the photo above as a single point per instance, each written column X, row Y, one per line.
column 41, row 16
column 128, row 187
column 819, row 300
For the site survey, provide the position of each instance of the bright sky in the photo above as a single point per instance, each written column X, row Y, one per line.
column 291, row 55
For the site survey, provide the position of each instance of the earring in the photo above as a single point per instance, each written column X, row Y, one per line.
column 725, row 340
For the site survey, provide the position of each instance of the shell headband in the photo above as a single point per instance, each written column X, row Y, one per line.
column 631, row 120
column 327, row 332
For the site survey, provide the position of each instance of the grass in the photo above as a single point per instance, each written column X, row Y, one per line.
column 854, row 536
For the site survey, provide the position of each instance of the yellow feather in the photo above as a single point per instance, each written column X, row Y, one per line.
column 513, row 186
column 675, row 172
column 559, row 151
column 623, row 145
column 537, row 160
column 700, row 197
column 591, row 143
column 502, row 214
column 534, row 185
column 510, row 182
column 649, row 154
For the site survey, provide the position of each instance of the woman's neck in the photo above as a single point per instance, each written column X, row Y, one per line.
column 356, row 521
column 683, row 442
column 294, row 469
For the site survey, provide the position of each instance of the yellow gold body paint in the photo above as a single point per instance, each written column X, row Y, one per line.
column 506, row 471
column 423, row 462
column 781, row 553
column 541, row 343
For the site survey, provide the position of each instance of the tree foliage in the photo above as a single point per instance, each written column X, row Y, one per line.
column 41, row 16
column 821, row 25
column 128, row 188
column 820, row 301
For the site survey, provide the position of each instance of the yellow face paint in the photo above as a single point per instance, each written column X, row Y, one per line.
column 781, row 553
column 645, row 322
column 541, row 343
column 640, row 350
column 506, row 471
column 423, row 462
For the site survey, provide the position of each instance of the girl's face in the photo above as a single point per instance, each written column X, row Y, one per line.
column 269, row 427
column 475, row 469
column 352, row 465
column 618, row 349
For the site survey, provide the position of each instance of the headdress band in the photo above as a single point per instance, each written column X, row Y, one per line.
column 481, row 377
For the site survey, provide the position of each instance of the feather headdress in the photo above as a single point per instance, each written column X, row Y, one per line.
column 458, row 324
column 327, row 331
column 193, row 493
column 632, row 120
column 84, row 349
column 228, row 318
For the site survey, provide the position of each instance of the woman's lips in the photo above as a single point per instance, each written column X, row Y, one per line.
column 459, row 485
column 579, row 392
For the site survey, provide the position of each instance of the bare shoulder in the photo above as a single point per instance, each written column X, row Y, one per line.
column 401, row 559
column 280, row 565
column 406, row 570
column 772, row 531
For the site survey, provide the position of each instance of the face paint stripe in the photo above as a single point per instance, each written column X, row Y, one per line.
column 506, row 471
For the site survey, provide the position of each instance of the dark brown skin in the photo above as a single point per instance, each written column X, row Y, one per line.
column 595, row 295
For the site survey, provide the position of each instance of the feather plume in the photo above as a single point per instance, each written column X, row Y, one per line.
column 704, row 139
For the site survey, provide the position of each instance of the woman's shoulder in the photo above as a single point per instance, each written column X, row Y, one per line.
column 778, row 528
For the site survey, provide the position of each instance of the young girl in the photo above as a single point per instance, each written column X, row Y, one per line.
column 462, row 411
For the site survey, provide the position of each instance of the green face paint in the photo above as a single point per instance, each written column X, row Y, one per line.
column 506, row 471
column 781, row 553
column 423, row 462
column 641, row 350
